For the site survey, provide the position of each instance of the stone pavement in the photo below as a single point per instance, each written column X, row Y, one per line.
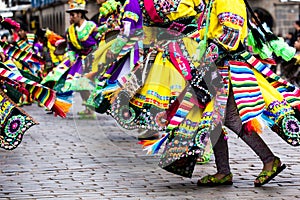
column 95, row 159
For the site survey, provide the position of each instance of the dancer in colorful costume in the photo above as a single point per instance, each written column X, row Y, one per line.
column 253, row 91
column 53, row 48
column 118, row 54
column 258, row 94
column 13, row 86
column 21, row 58
column 83, row 38
column 224, row 45
column 138, row 94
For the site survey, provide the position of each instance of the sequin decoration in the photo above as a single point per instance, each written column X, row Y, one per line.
column 202, row 137
column 291, row 130
column 161, row 119
column 167, row 6
column 14, row 126
column 126, row 114
column 278, row 109
column 286, row 125
column 13, row 131
column 181, row 152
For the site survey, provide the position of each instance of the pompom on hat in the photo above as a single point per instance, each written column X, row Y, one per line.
column 77, row 5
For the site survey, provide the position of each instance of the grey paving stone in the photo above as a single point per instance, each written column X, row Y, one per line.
column 95, row 159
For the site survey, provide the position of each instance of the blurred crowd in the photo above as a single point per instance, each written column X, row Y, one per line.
column 290, row 70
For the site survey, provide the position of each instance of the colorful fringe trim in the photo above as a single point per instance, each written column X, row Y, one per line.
column 19, row 54
column 40, row 93
column 253, row 126
column 263, row 68
column 152, row 146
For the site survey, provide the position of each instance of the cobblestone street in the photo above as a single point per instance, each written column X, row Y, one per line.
column 95, row 159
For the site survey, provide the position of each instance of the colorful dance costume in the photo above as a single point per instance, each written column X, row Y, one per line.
column 126, row 47
column 247, row 80
column 257, row 91
column 109, row 25
column 14, row 121
column 69, row 74
column 168, row 44
column 81, row 42
column 159, row 90
column 28, row 44
column 139, row 94
column 23, row 52
column 13, row 85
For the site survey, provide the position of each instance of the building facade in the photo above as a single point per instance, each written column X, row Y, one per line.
column 51, row 14
column 284, row 14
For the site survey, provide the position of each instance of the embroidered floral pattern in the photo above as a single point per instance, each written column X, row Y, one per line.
column 167, row 6
column 232, row 18
column 162, row 8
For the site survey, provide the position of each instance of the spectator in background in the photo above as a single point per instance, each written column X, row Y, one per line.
column 289, row 38
column 290, row 70
column 297, row 45
column 296, row 31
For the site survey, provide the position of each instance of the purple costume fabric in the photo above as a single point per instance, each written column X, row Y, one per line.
column 87, row 46
column 131, row 8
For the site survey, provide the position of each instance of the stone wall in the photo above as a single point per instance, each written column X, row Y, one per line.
column 55, row 17
column 284, row 14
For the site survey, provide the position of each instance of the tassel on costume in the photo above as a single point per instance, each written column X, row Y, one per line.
column 266, row 119
column 58, row 111
column 152, row 146
column 146, row 143
column 253, row 126
column 64, row 106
